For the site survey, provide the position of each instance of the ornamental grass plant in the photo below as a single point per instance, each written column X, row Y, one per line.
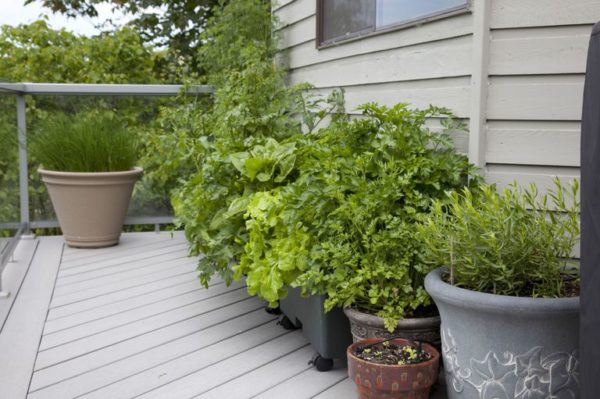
column 509, row 242
column 85, row 142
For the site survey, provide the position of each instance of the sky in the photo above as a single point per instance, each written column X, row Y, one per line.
column 13, row 12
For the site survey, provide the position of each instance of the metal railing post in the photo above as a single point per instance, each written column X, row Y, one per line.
column 23, row 169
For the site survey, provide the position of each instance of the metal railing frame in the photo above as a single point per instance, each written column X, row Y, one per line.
column 20, row 90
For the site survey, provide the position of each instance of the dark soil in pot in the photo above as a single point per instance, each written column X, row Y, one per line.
column 377, row 380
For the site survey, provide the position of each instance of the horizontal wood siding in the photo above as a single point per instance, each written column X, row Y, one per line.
column 532, row 13
column 537, row 66
column 537, row 57
column 420, row 65
column 446, row 58
column 553, row 98
column 533, row 143
column 452, row 93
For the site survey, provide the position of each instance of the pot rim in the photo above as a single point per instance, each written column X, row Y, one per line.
column 376, row 321
column 435, row 354
column 136, row 170
column 441, row 290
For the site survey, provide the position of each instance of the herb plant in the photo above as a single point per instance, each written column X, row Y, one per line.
column 87, row 142
column 507, row 242
column 346, row 226
column 244, row 142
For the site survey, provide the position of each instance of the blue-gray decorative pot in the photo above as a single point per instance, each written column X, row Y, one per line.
column 504, row 347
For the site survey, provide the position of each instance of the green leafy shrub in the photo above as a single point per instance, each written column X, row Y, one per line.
column 9, row 162
column 507, row 242
column 346, row 226
column 241, row 143
column 88, row 142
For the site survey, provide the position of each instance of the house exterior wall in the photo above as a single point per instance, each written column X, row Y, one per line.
column 529, row 56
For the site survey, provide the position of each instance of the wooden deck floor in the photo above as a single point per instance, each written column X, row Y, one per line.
column 133, row 321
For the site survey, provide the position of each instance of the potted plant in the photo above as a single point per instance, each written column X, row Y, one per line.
column 87, row 164
column 395, row 368
column 344, row 230
column 508, row 292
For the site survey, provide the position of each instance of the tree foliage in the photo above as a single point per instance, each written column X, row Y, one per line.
column 37, row 53
column 176, row 24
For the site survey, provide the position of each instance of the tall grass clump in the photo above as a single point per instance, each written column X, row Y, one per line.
column 86, row 142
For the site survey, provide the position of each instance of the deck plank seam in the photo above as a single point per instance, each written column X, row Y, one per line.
column 72, row 256
column 342, row 379
column 119, row 290
column 182, row 355
column 133, row 308
column 111, row 264
column 62, row 251
column 281, row 382
column 254, row 369
column 112, row 273
column 159, row 345
column 120, row 252
column 143, row 318
column 117, row 301
column 101, row 284
column 16, row 294
column 284, row 333
column 139, row 335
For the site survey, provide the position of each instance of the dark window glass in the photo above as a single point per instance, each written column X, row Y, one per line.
column 345, row 18
column 391, row 12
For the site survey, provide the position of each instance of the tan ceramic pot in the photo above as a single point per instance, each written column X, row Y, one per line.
column 90, row 207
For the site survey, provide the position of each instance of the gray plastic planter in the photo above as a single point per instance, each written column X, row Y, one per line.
column 329, row 333
column 496, row 346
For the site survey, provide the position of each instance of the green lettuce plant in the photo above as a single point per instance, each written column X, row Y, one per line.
column 513, row 242
column 346, row 226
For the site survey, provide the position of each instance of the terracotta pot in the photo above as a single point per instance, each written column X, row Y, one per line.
column 365, row 325
column 380, row 381
column 90, row 207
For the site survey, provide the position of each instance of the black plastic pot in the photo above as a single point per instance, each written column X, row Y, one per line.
column 329, row 333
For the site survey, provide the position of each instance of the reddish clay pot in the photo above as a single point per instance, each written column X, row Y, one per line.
column 381, row 381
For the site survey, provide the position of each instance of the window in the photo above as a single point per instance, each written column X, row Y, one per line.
column 340, row 20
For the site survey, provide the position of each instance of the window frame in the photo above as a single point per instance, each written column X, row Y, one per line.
column 320, row 44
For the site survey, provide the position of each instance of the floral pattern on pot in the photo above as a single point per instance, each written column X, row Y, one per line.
column 528, row 375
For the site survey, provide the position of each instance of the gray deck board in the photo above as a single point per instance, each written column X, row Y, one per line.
column 343, row 389
column 88, row 379
column 180, row 303
column 137, row 267
column 121, row 295
column 263, row 378
column 133, row 321
column 127, row 243
column 249, row 355
column 305, row 385
column 157, row 265
column 14, row 274
column 101, row 311
column 21, row 334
